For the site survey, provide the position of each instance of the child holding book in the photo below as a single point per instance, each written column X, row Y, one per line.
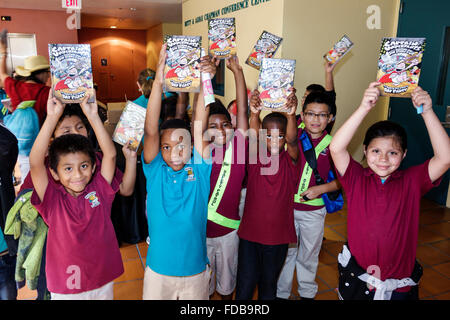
column 309, row 208
column 227, row 176
column 328, row 89
column 384, row 202
column 83, row 257
column 267, row 225
column 177, row 199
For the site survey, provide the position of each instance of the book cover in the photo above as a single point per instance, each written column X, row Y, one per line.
column 276, row 79
column 130, row 126
column 399, row 65
column 340, row 49
column 182, row 69
column 265, row 47
column 71, row 72
column 222, row 37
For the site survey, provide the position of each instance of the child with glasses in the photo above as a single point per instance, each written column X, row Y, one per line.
column 309, row 208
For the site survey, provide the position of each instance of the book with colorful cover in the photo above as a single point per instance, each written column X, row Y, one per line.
column 399, row 65
column 130, row 127
column 222, row 37
column 182, row 69
column 71, row 72
column 276, row 80
column 340, row 49
column 265, row 47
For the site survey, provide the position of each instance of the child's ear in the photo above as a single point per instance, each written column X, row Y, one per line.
column 93, row 168
column 54, row 174
column 404, row 154
column 330, row 117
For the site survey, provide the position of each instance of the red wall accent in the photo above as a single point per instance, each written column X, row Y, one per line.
column 49, row 26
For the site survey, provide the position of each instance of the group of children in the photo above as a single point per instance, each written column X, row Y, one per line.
column 202, row 238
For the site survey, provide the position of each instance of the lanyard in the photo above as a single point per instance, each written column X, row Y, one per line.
column 306, row 175
column 219, row 190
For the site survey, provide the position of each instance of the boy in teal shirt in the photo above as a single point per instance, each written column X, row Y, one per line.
column 177, row 199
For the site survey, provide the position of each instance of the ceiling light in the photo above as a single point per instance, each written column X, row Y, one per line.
column 113, row 27
column 133, row 9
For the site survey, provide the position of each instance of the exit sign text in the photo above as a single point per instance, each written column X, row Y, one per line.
column 71, row 4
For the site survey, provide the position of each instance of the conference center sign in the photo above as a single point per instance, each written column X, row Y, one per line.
column 241, row 5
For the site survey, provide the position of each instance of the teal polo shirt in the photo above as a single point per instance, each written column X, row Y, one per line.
column 3, row 245
column 177, row 211
column 142, row 101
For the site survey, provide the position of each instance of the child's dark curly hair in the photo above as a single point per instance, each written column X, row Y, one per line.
column 69, row 143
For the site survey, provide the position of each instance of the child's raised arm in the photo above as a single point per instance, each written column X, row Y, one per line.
column 329, row 80
column 440, row 141
column 201, row 112
column 241, row 93
column 291, row 128
column 255, row 111
column 151, row 128
column 129, row 175
column 108, row 168
column 182, row 103
column 37, row 155
column 342, row 138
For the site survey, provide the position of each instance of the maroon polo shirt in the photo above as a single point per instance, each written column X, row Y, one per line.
column 268, row 214
column 82, row 249
column 383, row 219
column 229, row 205
column 324, row 164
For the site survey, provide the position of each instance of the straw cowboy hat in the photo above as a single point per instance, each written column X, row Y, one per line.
column 31, row 64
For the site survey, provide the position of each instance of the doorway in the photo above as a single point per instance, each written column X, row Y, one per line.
column 427, row 19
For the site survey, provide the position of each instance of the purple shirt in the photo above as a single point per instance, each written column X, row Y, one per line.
column 268, row 214
column 324, row 164
column 229, row 205
column 82, row 249
column 383, row 219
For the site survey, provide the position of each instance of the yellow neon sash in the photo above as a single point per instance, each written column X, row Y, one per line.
column 218, row 192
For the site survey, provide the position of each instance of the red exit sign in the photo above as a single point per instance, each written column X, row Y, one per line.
column 71, row 4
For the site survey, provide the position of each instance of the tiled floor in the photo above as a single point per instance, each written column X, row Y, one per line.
column 433, row 252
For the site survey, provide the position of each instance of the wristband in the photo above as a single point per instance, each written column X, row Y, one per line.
column 420, row 109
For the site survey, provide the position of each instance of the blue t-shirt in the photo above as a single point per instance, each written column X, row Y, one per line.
column 142, row 101
column 177, row 210
column 3, row 245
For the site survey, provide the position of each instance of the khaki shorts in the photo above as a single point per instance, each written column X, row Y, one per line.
column 103, row 293
column 223, row 257
column 161, row 287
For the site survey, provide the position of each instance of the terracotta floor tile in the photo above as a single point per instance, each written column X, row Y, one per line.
column 444, row 246
column 442, row 228
column 335, row 218
column 329, row 274
column 129, row 290
column 325, row 258
column 444, row 296
column 443, row 268
column 430, row 256
column 434, row 215
column 330, row 234
column 129, row 252
column 133, row 271
column 143, row 248
column 424, row 294
column 341, row 230
column 333, row 247
column 434, row 282
column 428, row 236
column 327, row 295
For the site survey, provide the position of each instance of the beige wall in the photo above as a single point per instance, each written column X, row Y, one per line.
column 155, row 36
column 312, row 27
column 309, row 29
column 250, row 23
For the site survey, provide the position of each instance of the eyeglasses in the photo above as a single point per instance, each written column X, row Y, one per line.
column 321, row 116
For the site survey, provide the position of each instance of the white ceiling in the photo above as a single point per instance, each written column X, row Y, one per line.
column 104, row 13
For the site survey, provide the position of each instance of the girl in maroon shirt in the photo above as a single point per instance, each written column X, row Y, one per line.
column 384, row 202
